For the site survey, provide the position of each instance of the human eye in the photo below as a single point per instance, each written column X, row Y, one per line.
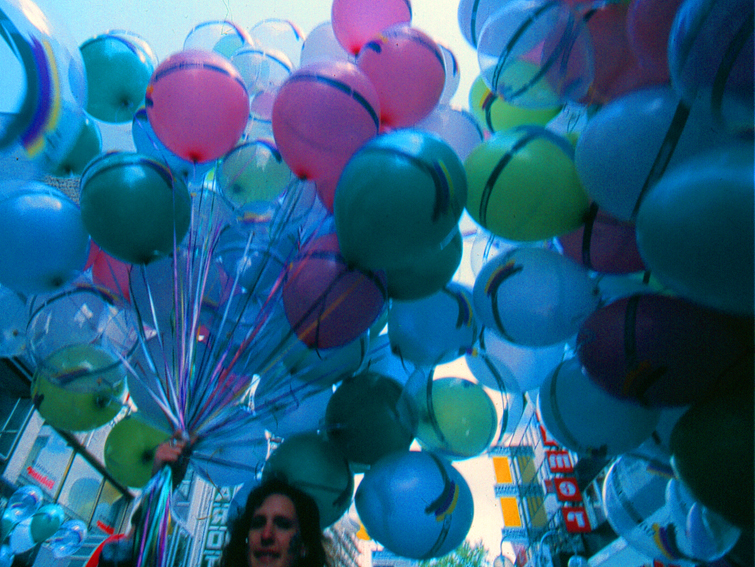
column 284, row 523
column 257, row 523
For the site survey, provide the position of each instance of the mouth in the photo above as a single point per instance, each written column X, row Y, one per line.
column 265, row 555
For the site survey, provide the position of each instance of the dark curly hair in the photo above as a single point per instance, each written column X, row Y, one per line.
column 237, row 550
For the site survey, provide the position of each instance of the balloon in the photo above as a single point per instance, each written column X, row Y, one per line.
column 453, row 76
column 261, row 69
column 292, row 412
column 221, row 36
column 79, row 388
column 721, row 476
column 616, row 152
column 49, row 240
column 232, row 458
column 321, row 45
column 508, row 367
column 46, row 521
column 22, row 504
column 197, row 104
column 523, row 185
column 536, row 54
column 534, row 296
column 428, row 274
column 252, row 172
column 87, row 146
column 44, row 95
column 701, row 209
column 399, row 198
column 148, row 144
column 407, row 69
column 281, row 35
column 457, row 418
column 109, row 272
column 6, row 555
column 81, row 316
column 327, row 303
column 710, row 56
column 15, row 320
column 68, row 539
column 121, row 191
column 458, row 128
column 321, row 115
column 585, row 419
column 368, row 418
column 604, row 244
column 437, row 329
column 664, row 351
column 21, row 539
column 355, row 22
column 711, row 537
column 648, row 27
column 495, row 114
column 118, row 68
column 472, row 15
column 634, row 505
column 315, row 465
column 416, row 504
column 130, row 450
column 617, row 71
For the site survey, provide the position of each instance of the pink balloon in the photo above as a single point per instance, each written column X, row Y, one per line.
column 604, row 244
column 197, row 105
column 407, row 68
column 327, row 303
column 355, row 22
column 321, row 115
column 648, row 27
column 617, row 70
column 109, row 272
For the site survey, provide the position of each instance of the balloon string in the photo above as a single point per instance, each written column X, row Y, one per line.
column 151, row 531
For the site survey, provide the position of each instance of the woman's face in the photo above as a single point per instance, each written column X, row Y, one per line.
column 274, row 537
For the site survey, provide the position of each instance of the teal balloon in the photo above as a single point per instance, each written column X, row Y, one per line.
column 46, row 242
column 134, row 207
column 118, row 68
column 695, row 229
column 314, row 464
column 399, row 197
column 368, row 418
column 428, row 273
column 46, row 521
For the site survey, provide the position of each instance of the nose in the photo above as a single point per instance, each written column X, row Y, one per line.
column 268, row 532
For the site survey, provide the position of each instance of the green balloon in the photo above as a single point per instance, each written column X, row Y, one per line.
column 457, row 418
column 6, row 525
column 79, row 387
column 133, row 207
column 367, row 418
column 712, row 453
column 46, row 521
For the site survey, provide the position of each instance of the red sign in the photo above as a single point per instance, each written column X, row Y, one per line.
column 559, row 461
column 567, row 489
column 548, row 441
column 576, row 520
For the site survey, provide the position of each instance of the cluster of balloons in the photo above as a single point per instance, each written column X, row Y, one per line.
column 28, row 522
column 281, row 257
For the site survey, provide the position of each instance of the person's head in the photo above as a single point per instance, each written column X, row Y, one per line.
column 279, row 527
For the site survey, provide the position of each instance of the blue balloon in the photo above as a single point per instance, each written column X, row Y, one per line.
column 50, row 244
column 416, row 504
